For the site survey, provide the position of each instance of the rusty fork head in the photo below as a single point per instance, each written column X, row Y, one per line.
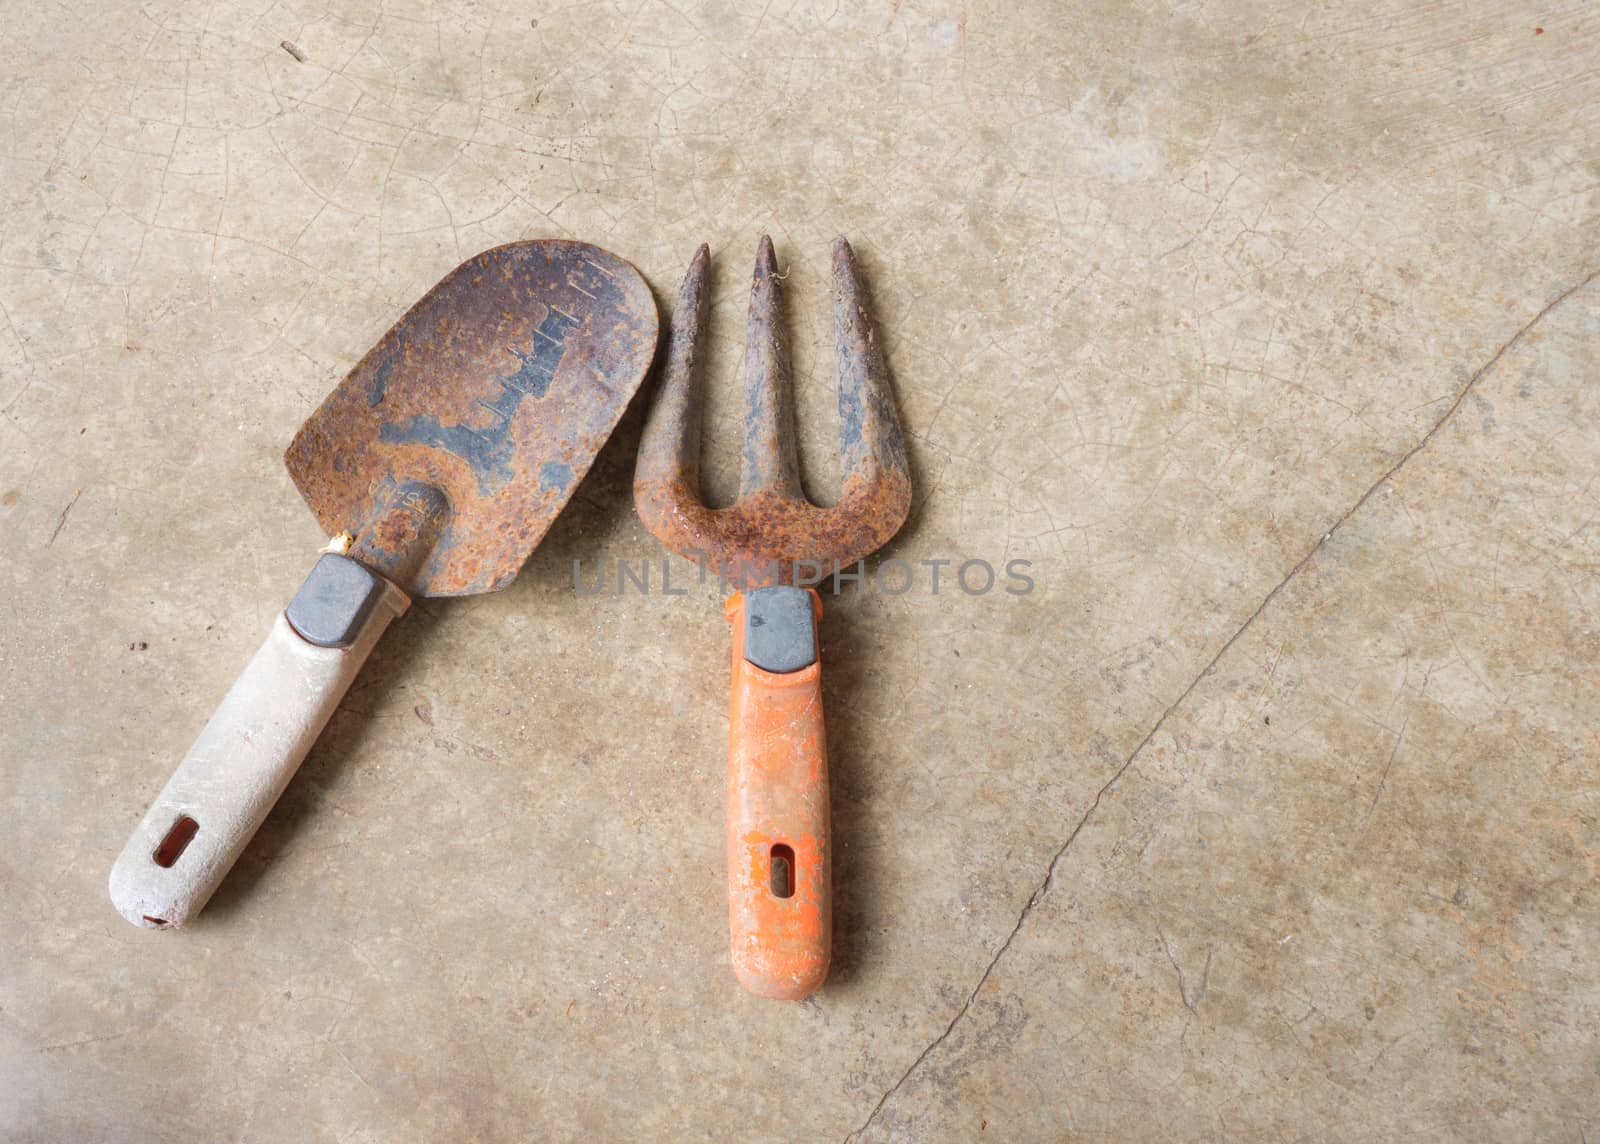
column 761, row 538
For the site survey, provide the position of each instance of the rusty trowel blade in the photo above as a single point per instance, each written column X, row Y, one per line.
column 497, row 390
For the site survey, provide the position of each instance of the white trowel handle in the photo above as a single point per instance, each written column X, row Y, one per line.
column 223, row 789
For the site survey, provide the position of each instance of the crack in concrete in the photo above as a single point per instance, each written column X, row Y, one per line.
column 1043, row 889
column 1191, row 996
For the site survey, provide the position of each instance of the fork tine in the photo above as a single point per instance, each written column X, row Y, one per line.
column 870, row 441
column 669, row 449
column 770, row 458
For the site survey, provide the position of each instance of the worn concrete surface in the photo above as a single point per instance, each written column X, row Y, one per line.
column 1267, row 333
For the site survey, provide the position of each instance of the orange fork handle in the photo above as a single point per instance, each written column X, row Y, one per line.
column 780, row 917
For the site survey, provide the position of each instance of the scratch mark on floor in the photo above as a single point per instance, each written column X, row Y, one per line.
column 61, row 521
column 1383, row 781
column 83, row 1041
column 1042, row 890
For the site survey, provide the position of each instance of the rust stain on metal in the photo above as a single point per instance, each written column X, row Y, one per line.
column 772, row 534
column 453, row 444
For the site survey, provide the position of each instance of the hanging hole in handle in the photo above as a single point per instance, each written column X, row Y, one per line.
column 781, row 878
column 176, row 841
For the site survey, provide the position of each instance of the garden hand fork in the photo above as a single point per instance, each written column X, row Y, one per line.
column 779, row 884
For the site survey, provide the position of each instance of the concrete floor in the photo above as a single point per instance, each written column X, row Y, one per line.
column 1267, row 334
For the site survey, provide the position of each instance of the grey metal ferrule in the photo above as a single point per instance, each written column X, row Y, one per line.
column 334, row 602
column 780, row 634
